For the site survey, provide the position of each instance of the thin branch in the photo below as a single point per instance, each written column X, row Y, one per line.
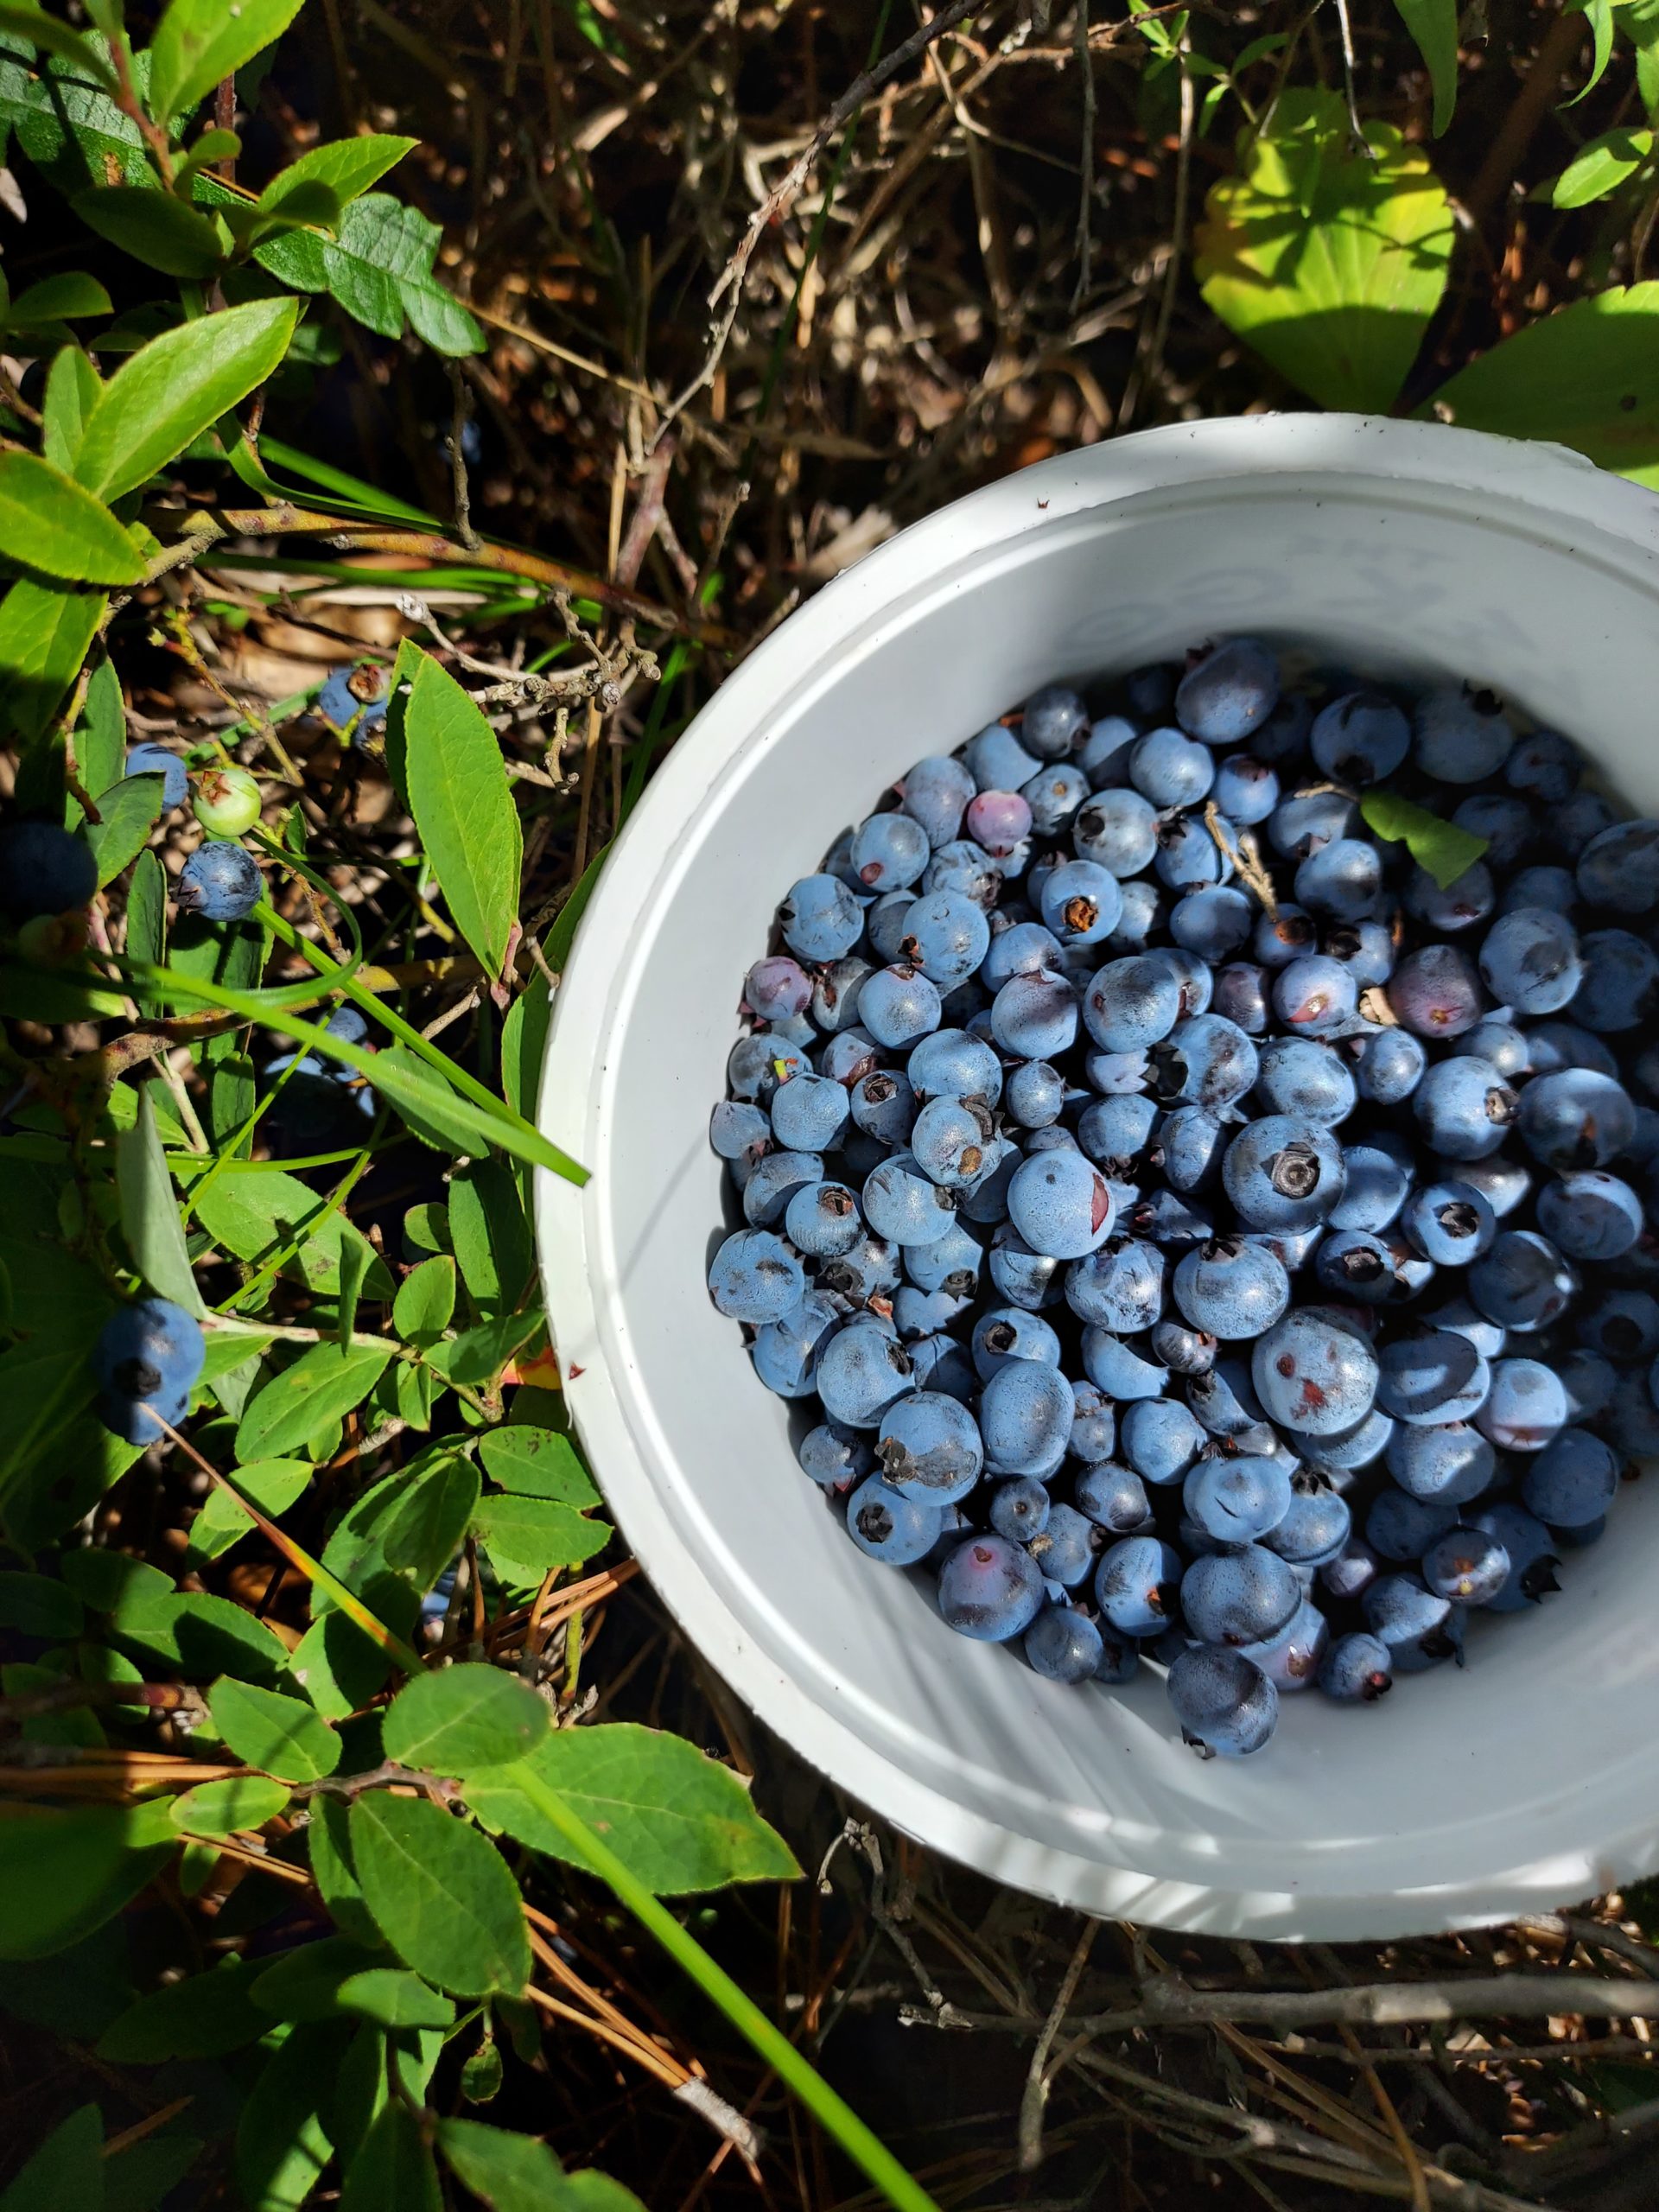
column 1035, row 2096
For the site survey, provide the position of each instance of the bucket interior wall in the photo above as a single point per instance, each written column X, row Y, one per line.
column 1352, row 1820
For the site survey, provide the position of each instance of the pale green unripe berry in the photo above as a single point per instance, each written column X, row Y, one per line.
column 226, row 801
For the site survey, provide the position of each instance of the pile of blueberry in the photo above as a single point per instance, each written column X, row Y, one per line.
column 1200, row 1232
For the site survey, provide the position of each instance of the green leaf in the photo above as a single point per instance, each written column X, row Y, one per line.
column 1329, row 264
column 347, row 166
column 1433, row 24
column 464, row 1717
column 280, row 1734
column 215, row 1636
column 47, row 522
column 67, row 2173
column 155, row 228
column 1435, row 845
column 524, row 1041
column 323, row 1385
column 23, row 20
column 536, row 1463
column 145, row 2173
column 482, row 2073
column 45, row 631
column 226, row 1807
column 63, row 1874
column 129, row 811
column 1600, row 167
column 35, row 1604
column 338, row 1666
column 177, row 386
column 198, row 42
column 492, row 1236
column 58, row 299
column 281, row 2144
column 1586, row 376
column 334, row 1871
column 273, row 1484
column 393, row 2171
column 201, row 2016
column 428, row 1106
column 463, row 808
column 149, row 1212
column 1599, row 15
column 479, row 1355
column 256, row 1215
column 1639, row 19
column 304, row 1984
column 425, row 1303
column 425, row 1531
column 676, row 1819
column 395, row 1999
column 380, row 269
column 526, row 1536
column 444, row 1897
column 100, row 742
column 147, row 911
column 515, row 2173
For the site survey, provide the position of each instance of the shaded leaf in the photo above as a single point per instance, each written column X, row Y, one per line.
column 1600, row 167
column 524, row 1040
column 678, row 1820
column 1599, row 15
column 155, row 228
column 48, row 522
column 423, row 1533
column 38, row 1604
column 149, row 1212
column 431, row 1107
column 201, row 2016
column 482, row 2073
column 395, row 1999
column 67, row 2173
column 393, row 2171
column 63, row 1874
column 24, row 19
column 1433, row 25
column 215, row 1636
column 255, row 1214
column 492, row 1236
column 536, row 1463
column 1586, row 376
column 463, row 808
column 1441, row 847
column 526, row 1536
column 72, row 390
column 464, row 1717
column 199, row 41
column 442, row 1897
column 515, row 2173
column 1329, row 265
column 71, row 294
column 323, row 1385
column 281, row 1734
column 141, row 2174
column 176, row 387
column 303, row 1985
column 101, row 738
column 282, row 2147
column 45, row 633
column 426, row 1300
column 334, row 1871
column 273, row 1484
column 147, row 911
column 225, row 1808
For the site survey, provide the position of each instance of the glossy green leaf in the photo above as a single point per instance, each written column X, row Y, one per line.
column 45, row 631
column 63, row 1874
column 67, row 2173
column 129, row 811
column 393, row 2171
column 323, row 1385
column 492, row 1236
column 464, row 1717
column 1433, row 25
column 176, row 387
column 281, row 1734
column 255, row 1216
column 526, row 1536
column 380, row 270
column 536, row 1463
column 1600, row 167
column 149, row 1211
column 444, row 1897
column 463, row 808
column 426, row 1300
column 678, row 1820
column 155, row 228
column 273, row 1484
column 1328, row 263
column 199, row 42
column 241, row 1802
column 347, row 166
column 425, row 1531
column 1586, row 376
column 72, row 390
column 282, row 2147
column 201, row 2016
column 1441, row 847
column 516, row 2173
column 395, row 1999
column 48, row 523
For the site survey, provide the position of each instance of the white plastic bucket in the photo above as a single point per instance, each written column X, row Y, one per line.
column 1526, row 1780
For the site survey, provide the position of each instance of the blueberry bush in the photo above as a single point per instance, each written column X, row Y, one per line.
column 376, row 502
